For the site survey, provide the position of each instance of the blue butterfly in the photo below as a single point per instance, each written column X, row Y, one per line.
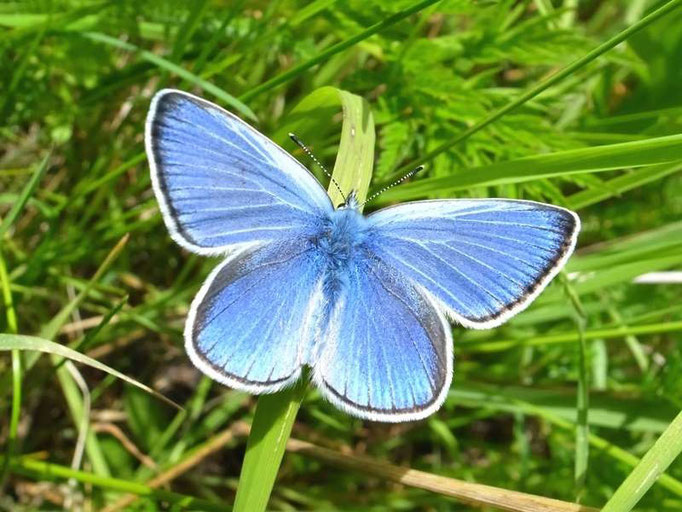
column 362, row 300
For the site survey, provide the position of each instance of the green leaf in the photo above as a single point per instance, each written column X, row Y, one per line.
column 25, row 194
column 563, row 163
column 332, row 50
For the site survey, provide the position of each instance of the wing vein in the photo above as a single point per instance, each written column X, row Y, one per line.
column 371, row 318
column 228, row 172
column 233, row 129
column 415, row 315
column 482, row 263
column 428, row 278
column 453, row 267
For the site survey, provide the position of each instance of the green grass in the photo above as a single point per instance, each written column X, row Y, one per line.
column 572, row 103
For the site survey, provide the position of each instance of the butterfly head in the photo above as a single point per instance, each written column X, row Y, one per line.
column 351, row 203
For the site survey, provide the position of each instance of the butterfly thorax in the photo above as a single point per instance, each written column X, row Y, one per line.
column 342, row 237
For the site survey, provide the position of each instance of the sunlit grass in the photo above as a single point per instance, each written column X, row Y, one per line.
column 514, row 99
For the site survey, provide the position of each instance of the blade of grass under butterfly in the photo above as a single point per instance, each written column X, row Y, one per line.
column 275, row 414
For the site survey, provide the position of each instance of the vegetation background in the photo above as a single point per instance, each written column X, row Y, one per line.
column 562, row 401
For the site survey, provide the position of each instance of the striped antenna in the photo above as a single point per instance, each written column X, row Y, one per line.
column 300, row 144
column 396, row 182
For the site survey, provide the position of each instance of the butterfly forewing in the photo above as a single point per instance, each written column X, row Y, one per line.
column 219, row 182
column 483, row 260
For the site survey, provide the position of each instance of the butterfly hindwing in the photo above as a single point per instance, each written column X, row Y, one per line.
column 387, row 351
column 219, row 182
column 253, row 320
column 483, row 260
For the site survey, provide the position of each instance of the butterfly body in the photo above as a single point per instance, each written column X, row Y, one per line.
column 362, row 300
column 340, row 243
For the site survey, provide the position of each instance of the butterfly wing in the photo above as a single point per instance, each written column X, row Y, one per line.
column 251, row 323
column 219, row 182
column 387, row 354
column 483, row 260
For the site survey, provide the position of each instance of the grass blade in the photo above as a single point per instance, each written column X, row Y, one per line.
column 549, row 82
column 10, row 313
column 195, row 457
column 33, row 343
column 272, row 423
column 601, row 445
column 332, row 50
column 666, row 449
column 48, row 471
column 562, row 163
column 16, row 372
column 51, row 330
column 582, row 428
column 617, row 332
column 25, row 195
column 637, row 414
column 175, row 69
column 468, row 492
column 621, row 184
column 275, row 414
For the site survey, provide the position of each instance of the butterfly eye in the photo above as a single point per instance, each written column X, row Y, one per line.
column 351, row 201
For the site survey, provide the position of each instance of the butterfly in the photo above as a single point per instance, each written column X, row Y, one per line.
column 363, row 301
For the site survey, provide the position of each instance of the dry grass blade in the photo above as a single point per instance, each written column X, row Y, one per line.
column 468, row 492
column 475, row 494
column 125, row 441
column 211, row 446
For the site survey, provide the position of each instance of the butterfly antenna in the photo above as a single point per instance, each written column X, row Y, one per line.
column 396, row 182
column 300, row 144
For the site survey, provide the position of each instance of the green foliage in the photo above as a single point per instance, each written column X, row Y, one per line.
column 76, row 77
